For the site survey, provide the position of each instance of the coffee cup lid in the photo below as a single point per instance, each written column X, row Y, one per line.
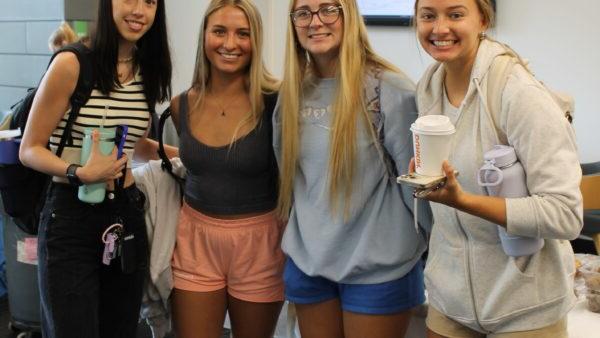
column 433, row 125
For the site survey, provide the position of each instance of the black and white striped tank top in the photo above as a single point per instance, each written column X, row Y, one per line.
column 123, row 106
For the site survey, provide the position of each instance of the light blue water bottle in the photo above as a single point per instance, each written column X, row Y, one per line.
column 94, row 193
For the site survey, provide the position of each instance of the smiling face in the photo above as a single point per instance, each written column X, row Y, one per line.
column 227, row 41
column 321, row 40
column 133, row 18
column 449, row 30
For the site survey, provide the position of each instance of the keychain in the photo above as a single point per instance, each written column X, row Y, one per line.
column 112, row 242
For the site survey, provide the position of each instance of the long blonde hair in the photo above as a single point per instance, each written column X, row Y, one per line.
column 355, row 58
column 258, row 79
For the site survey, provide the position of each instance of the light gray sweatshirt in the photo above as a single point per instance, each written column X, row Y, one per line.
column 377, row 243
column 468, row 276
column 163, row 203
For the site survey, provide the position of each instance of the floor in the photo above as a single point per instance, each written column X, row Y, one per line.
column 4, row 318
column 6, row 332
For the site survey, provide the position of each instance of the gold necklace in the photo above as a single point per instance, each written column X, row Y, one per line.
column 223, row 108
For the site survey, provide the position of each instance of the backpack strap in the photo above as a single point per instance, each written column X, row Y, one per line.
column 498, row 76
column 378, row 126
column 82, row 91
column 496, row 81
column 166, row 164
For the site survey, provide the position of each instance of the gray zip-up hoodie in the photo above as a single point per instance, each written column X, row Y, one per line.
column 468, row 276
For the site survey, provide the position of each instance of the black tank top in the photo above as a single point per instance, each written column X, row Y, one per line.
column 230, row 180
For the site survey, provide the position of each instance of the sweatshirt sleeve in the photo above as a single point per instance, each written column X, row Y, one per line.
column 545, row 145
column 399, row 111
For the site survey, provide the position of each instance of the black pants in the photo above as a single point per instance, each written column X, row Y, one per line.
column 80, row 296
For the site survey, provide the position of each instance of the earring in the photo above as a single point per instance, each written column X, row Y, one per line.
column 482, row 35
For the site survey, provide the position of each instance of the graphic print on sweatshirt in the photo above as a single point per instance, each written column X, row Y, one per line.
column 318, row 116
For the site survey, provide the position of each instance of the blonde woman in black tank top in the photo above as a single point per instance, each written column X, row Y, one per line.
column 227, row 255
column 82, row 295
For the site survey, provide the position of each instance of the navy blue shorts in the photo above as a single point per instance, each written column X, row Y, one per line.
column 375, row 299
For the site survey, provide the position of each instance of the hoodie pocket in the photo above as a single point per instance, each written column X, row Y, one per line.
column 505, row 287
column 447, row 283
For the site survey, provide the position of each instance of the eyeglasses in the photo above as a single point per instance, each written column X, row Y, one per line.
column 328, row 15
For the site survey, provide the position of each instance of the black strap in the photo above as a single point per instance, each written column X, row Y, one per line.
column 165, row 162
column 82, row 91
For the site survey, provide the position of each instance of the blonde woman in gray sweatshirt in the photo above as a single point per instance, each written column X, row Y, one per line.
column 475, row 289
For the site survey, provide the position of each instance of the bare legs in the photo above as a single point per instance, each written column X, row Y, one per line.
column 201, row 315
column 431, row 334
column 327, row 319
column 253, row 320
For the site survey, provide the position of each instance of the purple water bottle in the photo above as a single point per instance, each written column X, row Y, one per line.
column 503, row 175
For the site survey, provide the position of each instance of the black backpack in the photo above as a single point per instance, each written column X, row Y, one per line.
column 23, row 189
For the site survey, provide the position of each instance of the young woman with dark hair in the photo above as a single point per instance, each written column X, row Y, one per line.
column 151, row 52
column 81, row 296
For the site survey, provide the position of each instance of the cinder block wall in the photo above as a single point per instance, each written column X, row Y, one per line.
column 25, row 26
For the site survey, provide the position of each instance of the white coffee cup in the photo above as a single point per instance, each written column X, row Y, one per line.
column 432, row 136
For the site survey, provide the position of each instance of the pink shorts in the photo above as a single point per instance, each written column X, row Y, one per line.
column 242, row 255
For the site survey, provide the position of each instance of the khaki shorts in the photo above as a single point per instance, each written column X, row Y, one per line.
column 442, row 325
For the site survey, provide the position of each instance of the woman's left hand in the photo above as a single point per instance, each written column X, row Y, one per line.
column 449, row 193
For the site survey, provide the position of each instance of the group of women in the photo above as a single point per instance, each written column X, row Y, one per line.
column 290, row 189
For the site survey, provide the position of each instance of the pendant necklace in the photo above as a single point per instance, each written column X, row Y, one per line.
column 222, row 107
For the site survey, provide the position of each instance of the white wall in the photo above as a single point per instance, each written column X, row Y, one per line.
column 183, row 22
column 560, row 38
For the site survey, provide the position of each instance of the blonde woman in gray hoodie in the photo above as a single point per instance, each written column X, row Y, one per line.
column 475, row 289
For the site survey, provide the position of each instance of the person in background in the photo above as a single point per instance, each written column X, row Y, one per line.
column 61, row 37
column 227, row 253
column 474, row 288
column 343, row 117
column 83, row 295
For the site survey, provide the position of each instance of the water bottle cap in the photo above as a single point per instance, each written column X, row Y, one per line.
column 501, row 155
column 433, row 125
